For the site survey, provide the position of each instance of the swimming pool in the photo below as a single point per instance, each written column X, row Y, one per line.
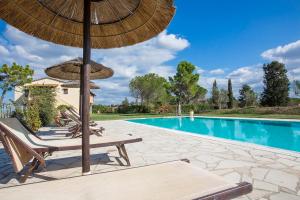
column 279, row 134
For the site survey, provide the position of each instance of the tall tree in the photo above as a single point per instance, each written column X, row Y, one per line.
column 276, row 85
column 230, row 95
column 12, row 76
column 149, row 88
column 199, row 95
column 125, row 102
column 247, row 96
column 184, row 85
column 223, row 98
column 215, row 95
column 297, row 87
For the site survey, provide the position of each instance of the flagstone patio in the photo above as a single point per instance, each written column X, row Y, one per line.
column 275, row 174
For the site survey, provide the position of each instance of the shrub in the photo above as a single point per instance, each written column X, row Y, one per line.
column 187, row 108
column 44, row 99
column 265, row 110
column 133, row 109
column 102, row 109
column 166, row 109
column 204, row 107
column 32, row 117
column 63, row 107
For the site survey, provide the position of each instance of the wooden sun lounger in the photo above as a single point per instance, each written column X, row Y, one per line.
column 23, row 147
column 176, row 180
column 76, row 114
column 75, row 130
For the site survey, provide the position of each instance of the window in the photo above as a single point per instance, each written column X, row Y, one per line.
column 65, row 90
column 26, row 93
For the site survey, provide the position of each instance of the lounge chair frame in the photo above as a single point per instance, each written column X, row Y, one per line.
column 75, row 130
column 39, row 154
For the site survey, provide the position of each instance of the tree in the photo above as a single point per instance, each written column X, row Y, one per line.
column 230, row 95
column 125, row 102
column 12, row 76
column 297, row 87
column 199, row 95
column 215, row 97
column 184, row 85
column 247, row 96
column 223, row 98
column 149, row 88
column 276, row 85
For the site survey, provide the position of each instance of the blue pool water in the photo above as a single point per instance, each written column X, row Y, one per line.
column 279, row 134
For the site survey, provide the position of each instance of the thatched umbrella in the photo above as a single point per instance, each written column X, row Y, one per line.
column 70, row 70
column 89, row 24
column 76, row 84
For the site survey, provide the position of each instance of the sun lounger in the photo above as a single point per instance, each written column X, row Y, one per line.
column 75, row 130
column 60, row 121
column 24, row 147
column 176, row 180
column 74, row 113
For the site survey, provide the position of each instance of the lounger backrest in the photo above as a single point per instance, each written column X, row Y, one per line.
column 72, row 116
column 18, row 142
column 74, row 112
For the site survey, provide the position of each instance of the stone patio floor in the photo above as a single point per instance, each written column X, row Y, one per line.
column 274, row 175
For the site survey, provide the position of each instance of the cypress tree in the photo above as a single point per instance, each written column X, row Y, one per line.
column 230, row 95
column 215, row 95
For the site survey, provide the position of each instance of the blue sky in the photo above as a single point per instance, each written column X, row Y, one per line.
column 224, row 39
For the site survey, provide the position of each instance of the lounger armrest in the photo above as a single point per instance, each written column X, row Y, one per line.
column 242, row 188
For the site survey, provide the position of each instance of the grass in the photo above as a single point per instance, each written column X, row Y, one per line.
column 102, row 117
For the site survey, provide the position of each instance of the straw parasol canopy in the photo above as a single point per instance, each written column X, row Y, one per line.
column 70, row 70
column 76, row 84
column 114, row 23
column 89, row 24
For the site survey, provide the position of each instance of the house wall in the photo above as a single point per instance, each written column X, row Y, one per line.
column 71, row 99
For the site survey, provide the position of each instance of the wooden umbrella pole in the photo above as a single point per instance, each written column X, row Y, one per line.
column 81, row 91
column 86, row 87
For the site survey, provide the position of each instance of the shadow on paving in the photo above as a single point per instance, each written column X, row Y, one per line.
column 7, row 172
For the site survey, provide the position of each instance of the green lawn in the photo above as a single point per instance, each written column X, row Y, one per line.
column 101, row 117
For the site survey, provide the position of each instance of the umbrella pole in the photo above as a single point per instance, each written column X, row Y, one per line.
column 86, row 87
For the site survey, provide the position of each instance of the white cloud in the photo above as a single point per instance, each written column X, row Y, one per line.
column 172, row 41
column 3, row 51
column 217, row 72
column 287, row 54
column 200, row 70
column 24, row 54
column 126, row 62
column 251, row 75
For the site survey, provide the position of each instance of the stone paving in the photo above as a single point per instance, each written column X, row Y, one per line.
column 274, row 175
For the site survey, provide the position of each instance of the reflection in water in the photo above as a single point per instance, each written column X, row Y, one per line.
column 192, row 118
column 180, row 121
column 285, row 135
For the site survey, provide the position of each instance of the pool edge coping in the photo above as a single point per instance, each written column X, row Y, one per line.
column 227, row 141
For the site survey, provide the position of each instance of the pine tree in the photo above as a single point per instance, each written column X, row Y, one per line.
column 215, row 96
column 276, row 85
column 230, row 95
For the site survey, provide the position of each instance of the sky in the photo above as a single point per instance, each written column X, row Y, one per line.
column 224, row 39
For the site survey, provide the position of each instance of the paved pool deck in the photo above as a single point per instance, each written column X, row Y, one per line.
column 275, row 174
